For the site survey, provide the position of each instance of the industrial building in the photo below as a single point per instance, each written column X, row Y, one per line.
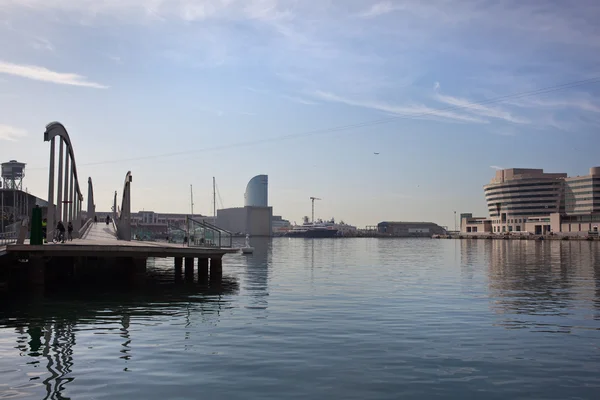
column 15, row 203
column 530, row 200
column 410, row 229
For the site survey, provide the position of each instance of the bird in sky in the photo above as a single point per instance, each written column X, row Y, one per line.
column 376, row 154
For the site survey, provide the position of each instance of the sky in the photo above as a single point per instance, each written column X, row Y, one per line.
column 306, row 91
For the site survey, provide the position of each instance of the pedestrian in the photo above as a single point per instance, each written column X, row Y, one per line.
column 107, row 219
column 95, row 219
column 45, row 229
column 61, row 231
column 70, row 230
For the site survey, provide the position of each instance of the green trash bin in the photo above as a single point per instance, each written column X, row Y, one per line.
column 37, row 237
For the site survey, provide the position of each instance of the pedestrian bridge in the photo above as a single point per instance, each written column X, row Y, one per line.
column 98, row 239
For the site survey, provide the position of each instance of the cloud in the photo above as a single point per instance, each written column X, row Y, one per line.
column 299, row 100
column 480, row 109
column 497, row 168
column 378, row 9
column 436, row 86
column 411, row 111
column 40, row 43
column 10, row 133
column 46, row 75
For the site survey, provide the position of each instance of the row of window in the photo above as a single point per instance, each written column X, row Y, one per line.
column 583, row 186
column 530, row 213
column 504, row 208
column 584, row 179
column 498, row 186
column 523, row 193
column 540, row 202
column 581, row 218
column 510, row 196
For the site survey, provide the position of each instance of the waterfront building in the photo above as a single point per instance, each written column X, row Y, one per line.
column 530, row 200
column 410, row 229
column 255, row 218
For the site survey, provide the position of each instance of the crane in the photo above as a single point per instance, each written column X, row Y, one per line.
column 313, row 207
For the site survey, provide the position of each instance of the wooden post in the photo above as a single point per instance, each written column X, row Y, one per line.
column 189, row 268
column 202, row 269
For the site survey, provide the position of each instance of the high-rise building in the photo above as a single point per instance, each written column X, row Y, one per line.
column 257, row 192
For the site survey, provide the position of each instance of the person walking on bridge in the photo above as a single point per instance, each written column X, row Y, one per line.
column 61, row 231
column 70, row 230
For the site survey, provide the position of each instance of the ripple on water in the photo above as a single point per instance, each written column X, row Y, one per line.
column 351, row 318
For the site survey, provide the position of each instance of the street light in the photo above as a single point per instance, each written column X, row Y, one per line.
column 454, row 221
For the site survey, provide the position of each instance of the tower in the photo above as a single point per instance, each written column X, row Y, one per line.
column 13, row 173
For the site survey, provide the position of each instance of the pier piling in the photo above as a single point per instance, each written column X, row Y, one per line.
column 202, row 269
column 189, row 268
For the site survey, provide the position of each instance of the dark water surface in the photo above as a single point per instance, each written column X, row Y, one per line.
column 324, row 319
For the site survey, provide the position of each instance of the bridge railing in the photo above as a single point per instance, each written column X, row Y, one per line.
column 8, row 238
column 122, row 215
column 203, row 234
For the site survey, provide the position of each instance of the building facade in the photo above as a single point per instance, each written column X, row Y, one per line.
column 532, row 201
column 516, row 194
column 410, row 229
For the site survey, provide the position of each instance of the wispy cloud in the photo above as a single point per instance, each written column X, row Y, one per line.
column 299, row 100
column 496, row 167
column 410, row 111
column 378, row 9
column 10, row 133
column 46, row 75
column 479, row 109
column 40, row 43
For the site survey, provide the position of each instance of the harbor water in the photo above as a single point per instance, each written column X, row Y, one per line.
column 323, row 319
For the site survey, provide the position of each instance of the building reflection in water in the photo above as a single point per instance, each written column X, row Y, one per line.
column 257, row 272
column 46, row 328
column 532, row 281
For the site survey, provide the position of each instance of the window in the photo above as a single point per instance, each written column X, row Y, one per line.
column 510, row 228
column 518, row 228
column 503, row 228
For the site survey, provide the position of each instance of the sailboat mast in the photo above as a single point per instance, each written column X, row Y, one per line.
column 214, row 201
column 192, row 199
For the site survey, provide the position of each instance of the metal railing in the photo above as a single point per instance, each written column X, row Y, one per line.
column 203, row 234
column 8, row 238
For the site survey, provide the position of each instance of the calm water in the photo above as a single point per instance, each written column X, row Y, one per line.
column 323, row 319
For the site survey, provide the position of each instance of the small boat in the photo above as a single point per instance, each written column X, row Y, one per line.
column 247, row 249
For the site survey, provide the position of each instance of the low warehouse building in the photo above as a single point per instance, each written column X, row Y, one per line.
column 410, row 229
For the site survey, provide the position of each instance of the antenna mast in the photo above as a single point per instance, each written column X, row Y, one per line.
column 192, row 199
column 214, row 201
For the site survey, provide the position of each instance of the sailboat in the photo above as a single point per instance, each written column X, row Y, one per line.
column 247, row 249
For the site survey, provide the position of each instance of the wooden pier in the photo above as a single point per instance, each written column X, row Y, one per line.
column 99, row 246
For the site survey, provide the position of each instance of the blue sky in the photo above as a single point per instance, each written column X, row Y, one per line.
column 147, row 78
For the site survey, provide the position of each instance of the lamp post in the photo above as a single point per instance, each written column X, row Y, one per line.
column 454, row 221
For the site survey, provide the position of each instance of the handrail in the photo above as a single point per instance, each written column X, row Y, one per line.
column 8, row 238
column 85, row 228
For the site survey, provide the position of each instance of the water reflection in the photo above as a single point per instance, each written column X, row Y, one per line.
column 533, row 282
column 257, row 273
column 46, row 327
